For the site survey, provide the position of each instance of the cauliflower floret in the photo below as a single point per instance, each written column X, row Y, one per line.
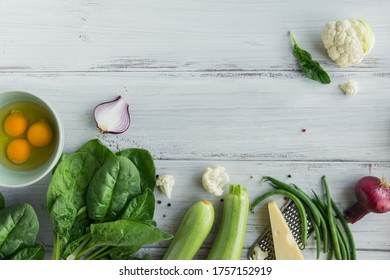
column 258, row 254
column 214, row 179
column 350, row 88
column 165, row 183
column 348, row 41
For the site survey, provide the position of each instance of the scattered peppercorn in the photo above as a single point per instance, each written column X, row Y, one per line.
column 303, row 129
column 158, row 201
column 289, row 176
column 221, row 199
column 157, row 176
column 169, row 205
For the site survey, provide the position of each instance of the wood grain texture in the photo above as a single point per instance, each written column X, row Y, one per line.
column 176, row 35
column 214, row 116
column 209, row 82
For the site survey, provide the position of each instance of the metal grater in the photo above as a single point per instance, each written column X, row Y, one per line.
column 263, row 247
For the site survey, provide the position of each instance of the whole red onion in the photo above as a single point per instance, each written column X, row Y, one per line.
column 373, row 195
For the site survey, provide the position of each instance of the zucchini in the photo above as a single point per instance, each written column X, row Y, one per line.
column 229, row 241
column 193, row 230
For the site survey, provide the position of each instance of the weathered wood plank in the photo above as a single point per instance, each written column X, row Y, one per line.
column 225, row 116
column 175, row 35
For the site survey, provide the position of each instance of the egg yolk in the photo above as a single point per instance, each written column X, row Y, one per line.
column 40, row 134
column 18, row 151
column 15, row 124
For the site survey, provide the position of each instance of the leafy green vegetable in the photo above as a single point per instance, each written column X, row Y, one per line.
column 102, row 204
column 96, row 149
column 71, row 179
column 66, row 197
column 36, row 252
column 311, row 68
column 111, row 187
column 140, row 208
column 64, row 214
column 73, row 248
column 127, row 233
column 123, row 253
column 19, row 227
column 144, row 162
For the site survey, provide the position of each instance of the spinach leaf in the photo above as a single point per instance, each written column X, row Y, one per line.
column 311, row 68
column 140, row 208
column 36, row 252
column 96, row 149
column 127, row 233
column 144, row 162
column 66, row 198
column 116, row 182
column 72, row 237
column 123, row 252
column 63, row 156
column 71, row 179
column 2, row 201
column 19, row 227
column 151, row 223
column 75, row 246
column 63, row 214
column 80, row 226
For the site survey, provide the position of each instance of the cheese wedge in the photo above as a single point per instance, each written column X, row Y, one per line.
column 286, row 248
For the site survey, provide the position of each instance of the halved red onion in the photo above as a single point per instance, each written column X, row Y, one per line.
column 112, row 116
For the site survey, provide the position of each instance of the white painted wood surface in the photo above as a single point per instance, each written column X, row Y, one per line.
column 209, row 82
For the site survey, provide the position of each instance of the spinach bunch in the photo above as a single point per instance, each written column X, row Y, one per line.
column 102, row 204
column 19, row 227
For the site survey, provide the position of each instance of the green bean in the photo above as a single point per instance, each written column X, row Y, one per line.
column 317, row 233
column 330, row 255
column 325, row 231
column 322, row 209
column 347, row 230
column 345, row 251
column 300, row 208
column 296, row 191
column 343, row 240
column 331, row 219
column 340, row 234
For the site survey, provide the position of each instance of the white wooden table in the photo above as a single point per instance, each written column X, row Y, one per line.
column 209, row 82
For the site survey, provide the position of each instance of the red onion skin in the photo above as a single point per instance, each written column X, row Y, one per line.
column 373, row 195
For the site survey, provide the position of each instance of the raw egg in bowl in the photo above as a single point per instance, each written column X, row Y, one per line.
column 31, row 138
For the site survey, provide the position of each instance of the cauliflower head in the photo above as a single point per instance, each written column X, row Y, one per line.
column 348, row 41
column 214, row 179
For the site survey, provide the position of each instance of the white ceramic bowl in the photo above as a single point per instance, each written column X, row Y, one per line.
column 12, row 178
